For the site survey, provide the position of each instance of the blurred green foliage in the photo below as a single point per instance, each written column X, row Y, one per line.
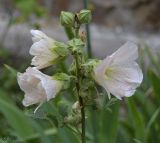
column 28, row 8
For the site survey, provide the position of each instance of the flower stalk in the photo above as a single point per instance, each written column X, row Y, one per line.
column 80, row 100
column 78, row 75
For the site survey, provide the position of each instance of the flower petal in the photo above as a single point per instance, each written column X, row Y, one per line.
column 129, row 73
column 30, row 99
column 27, row 82
column 124, row 80
column 43, row 55
column 51, row 87
column 38, row 35
column 40, row 48
column 34, row 92
column 126, row 53
column 40, row 62
column 120, row 88
column 119, row 74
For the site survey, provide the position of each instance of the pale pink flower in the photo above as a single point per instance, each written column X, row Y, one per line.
column 119, row 73
column 37, row 86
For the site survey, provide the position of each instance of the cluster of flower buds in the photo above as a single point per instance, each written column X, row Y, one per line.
column 67, row 19
column 118, row 74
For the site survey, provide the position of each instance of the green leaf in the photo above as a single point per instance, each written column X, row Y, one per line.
column 67, row 136
column 16, row 119
column 153, row 118
column 155, row 80
column 105, row 125
column 147, row 105
column 109, row 124
column 153, row 58
column 151, row 122
column 41, row 134
column 137, row 141
column 136, row 119
column 53, row 114
column 12, row 70
column 124, row 133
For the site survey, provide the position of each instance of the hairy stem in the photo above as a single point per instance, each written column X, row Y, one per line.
column 80, row 100
column 78, row 74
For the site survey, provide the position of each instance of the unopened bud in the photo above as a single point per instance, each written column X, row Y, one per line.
column 67, row 19
column 85, row 16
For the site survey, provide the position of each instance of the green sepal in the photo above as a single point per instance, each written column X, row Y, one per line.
column 89, row 66
column 92, row 62
column 64, row 78
column 76, row 45
column 60, row 49
column 61, row 76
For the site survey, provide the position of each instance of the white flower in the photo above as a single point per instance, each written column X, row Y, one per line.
column 42, row 50
column 37, row 86
column 118, row 73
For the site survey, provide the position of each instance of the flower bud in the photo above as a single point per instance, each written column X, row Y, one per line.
column 85, row 16
column 67, row 18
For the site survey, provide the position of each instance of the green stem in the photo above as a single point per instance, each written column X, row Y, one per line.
column 69, row 32
column 76, row 26
column 78, row 74
column 83, row 119
column 80, row 100
column 89, row 48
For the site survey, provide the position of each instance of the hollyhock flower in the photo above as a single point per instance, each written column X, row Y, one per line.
column 43, row 50
column 37, row 86
column 119, row 73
